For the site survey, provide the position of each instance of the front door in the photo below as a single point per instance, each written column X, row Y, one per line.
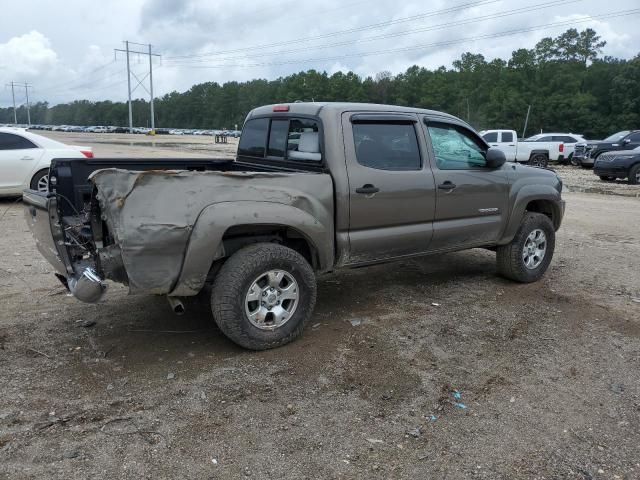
column 18, row 158
column 391, row 187
column 471, row 202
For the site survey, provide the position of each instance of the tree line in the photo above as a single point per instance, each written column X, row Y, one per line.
column 567, row 83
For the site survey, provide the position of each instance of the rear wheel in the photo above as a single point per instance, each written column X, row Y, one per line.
column 40, row 181
column 263, row 296
column 634, row 175
column 539, row 160
column 607, row 178
column 528, row 255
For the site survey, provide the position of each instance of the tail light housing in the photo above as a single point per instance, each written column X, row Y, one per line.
column 561, row 147
column 87, row 153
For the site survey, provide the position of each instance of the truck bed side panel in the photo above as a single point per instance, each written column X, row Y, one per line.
column 152, row 215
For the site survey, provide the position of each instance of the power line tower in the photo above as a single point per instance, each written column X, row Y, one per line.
column 140, row 83
column 26, row 86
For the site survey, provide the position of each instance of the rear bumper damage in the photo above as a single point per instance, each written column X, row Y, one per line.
column 42, row 216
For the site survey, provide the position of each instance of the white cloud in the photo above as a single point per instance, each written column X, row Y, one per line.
column 27, row 55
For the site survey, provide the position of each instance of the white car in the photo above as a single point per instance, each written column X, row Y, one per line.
column 25, row 159
column 569, row 139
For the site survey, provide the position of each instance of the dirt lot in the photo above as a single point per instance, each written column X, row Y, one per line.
column 548, row 373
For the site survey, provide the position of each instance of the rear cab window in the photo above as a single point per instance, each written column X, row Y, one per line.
column 290, row 141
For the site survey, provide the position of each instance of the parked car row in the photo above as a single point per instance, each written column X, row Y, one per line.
column 538, row 150
column 138, row 130
column 615, row 157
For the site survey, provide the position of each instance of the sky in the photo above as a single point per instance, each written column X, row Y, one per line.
column 65, row 50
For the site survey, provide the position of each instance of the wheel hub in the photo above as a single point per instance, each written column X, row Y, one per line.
column 535, row 247
column 272, row 299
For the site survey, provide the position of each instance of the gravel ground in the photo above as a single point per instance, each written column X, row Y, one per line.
column 548, row 373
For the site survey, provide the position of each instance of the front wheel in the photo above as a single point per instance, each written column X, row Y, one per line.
column 263, row 296
column 539, row 160
column 528, row 255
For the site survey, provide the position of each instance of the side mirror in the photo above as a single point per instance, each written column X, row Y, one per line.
column 495, row 158
column 626, row 141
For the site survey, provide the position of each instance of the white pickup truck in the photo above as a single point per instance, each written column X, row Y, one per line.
column 535, row 153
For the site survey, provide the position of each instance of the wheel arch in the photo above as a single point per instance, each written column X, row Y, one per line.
column 223, row 228
column 533, row 198
column 35, row 174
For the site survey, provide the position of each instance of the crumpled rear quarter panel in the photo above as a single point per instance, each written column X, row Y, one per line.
column 151, row 214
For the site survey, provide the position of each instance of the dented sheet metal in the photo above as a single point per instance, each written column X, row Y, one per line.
column 152, row 215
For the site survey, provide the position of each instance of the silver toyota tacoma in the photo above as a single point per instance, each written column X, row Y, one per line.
column 314, row 187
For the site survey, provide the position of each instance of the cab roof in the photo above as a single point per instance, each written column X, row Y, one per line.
column 318, row 108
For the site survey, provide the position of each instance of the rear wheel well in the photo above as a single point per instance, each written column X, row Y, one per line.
column 545, row 207
column 240, row 236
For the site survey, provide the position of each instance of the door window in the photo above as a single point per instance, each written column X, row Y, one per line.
column 455, row 149
column 564, row 139
column 254, row 138
column 387, row 146
column 491, row 137
column 634, row 137
column 507, row 137
column 9, row 141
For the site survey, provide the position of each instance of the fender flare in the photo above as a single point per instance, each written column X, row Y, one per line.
column 205, row 242
column 525, row 195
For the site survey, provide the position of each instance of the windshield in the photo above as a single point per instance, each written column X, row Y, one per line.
column 617, row 136
column 532, row 139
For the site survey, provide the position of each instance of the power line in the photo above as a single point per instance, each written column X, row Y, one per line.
column 343, row 32
column 423, row 46
column 397, row 34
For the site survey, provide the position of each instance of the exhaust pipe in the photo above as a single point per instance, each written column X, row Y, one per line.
column 87, row 287
column 176, row 305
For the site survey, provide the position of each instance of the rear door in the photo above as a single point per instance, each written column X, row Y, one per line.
column 471, row 202
column 18, row 158
column 391, row 188
column 508, row 144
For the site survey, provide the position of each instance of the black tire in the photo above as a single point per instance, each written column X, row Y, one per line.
column 232, row 284
column 37, row 179
column 539, row 160
column 634, row 175
column 607, row 178
column 510, row 257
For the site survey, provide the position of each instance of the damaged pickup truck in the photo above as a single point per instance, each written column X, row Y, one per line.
column 314, row 187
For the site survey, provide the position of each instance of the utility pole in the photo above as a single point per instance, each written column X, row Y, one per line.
column 153, row 123
column 468, row 114
column 129, row 88
column 526, row 121
column 13, row 96
column 26, row 92
column 128, row 52
column 13, row 86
